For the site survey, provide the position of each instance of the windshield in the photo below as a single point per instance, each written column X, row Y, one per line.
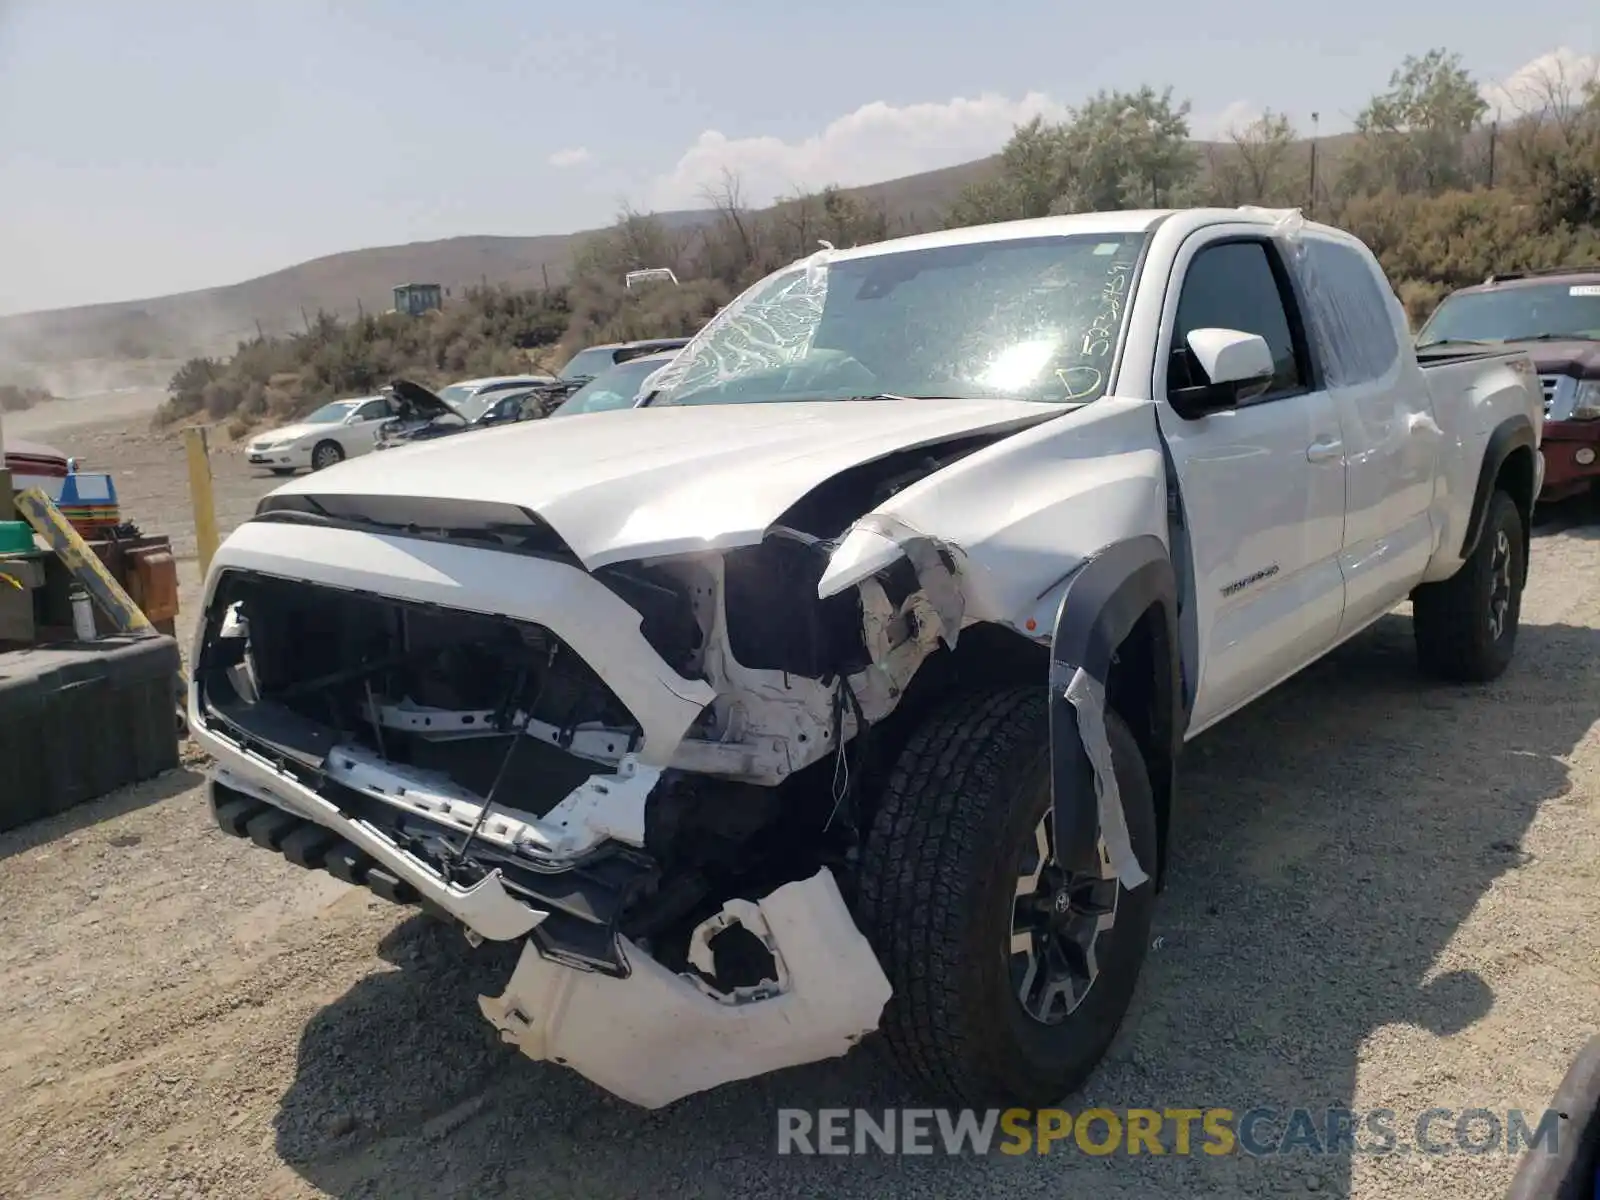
column 1516, row 313
column 1028, row 318
column 617, row 388
column 332, row 414
column 588, row 363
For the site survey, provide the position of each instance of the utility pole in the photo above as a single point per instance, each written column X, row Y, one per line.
column 1494, row 131
column 1311, row 200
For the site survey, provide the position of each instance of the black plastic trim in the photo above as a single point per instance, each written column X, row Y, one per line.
column 1102, row 603
column 1512, row 433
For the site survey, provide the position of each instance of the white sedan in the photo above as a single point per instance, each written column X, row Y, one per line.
column 335, row 432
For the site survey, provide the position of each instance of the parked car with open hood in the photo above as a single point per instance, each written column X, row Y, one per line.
column 426, row 415
column 621, row 386
column 330, row 434
column 1553, row 316
column 472, row 397
column 844, row 684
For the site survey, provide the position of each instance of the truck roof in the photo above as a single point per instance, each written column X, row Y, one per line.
column 1130, row 221
column 1520, row 279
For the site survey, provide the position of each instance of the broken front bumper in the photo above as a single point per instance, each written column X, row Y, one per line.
column 653, row 1036
column 631, row 1025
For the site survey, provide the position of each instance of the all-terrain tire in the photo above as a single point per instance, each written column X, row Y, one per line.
column 326, row 454
column 936, row 893
column 1454, row 620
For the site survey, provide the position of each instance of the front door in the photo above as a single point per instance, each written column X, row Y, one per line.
column 1262, row 486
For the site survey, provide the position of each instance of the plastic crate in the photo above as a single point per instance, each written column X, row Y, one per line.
column 78, row 720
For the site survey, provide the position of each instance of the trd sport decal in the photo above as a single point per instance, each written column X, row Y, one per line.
column 1240, row 584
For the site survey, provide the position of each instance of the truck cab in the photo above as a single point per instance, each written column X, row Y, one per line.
column 1554, row 317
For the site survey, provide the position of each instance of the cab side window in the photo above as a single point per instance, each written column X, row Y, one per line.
column 1236, row 285
column 373, row 410
column 1352, row 315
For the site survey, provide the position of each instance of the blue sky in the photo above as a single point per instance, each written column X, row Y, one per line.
column 154, row 147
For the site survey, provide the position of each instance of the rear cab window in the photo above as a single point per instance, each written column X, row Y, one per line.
column 1352, row 312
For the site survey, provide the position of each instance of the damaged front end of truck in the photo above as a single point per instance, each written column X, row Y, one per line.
column 649, row 771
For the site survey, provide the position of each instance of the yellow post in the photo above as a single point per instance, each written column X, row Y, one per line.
column 7, row 512
column 200, row 496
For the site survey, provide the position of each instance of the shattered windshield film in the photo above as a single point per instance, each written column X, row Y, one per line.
column 1030, row 318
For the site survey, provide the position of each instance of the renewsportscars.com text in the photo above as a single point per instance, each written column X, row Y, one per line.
column 1257, row 1132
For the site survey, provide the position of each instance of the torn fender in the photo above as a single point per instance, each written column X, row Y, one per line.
column 1103, row 601
column 655, row 1036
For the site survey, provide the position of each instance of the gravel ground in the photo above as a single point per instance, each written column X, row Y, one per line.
column 1384, row 895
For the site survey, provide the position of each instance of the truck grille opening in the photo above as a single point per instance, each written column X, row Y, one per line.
column 301, row 670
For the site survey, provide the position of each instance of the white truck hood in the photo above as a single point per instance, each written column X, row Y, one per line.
column 637, row 483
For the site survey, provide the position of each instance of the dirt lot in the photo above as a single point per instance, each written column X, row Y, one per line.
column 1384, row 895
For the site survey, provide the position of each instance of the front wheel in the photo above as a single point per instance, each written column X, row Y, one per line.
column 1011, row 977
column 1466, row 626
column 326, row 454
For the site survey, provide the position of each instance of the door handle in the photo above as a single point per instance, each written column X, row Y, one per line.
column 1324, row 451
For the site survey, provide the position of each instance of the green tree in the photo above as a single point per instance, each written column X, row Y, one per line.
column 1129, row 150
column 1120, row 150
column 1414, row 137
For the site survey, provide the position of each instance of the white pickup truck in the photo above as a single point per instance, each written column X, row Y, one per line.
column 842, row 686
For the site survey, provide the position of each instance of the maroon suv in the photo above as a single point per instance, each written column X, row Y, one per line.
column 1555, row 317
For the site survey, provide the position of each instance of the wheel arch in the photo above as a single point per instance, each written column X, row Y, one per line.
column 1118, row 621
column 1508, row 463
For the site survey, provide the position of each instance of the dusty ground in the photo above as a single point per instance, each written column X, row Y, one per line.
column 1385, row 894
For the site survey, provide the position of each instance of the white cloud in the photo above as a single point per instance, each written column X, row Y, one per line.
column 876, row 142
column 1212, row 127
column 572, row 157
column 1556, row 78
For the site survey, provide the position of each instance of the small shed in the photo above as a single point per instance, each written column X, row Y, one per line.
column 414, row 299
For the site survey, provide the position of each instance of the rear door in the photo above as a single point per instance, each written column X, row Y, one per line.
column 1391, row 442
column 1262, row 486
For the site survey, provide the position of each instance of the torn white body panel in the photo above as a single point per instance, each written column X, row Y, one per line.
column 1088, row 699
column 1020, row 515
column 655, row 1037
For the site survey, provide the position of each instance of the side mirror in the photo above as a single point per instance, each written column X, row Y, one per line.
column 1237, row 366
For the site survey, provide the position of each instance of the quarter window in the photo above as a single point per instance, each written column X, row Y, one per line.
column 1234, row 286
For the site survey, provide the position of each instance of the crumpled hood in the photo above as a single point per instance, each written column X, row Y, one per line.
column 635, row 483
column 1577, row 358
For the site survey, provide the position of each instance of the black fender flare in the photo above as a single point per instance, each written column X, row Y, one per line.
column 1513, row 433
column 1103, row 601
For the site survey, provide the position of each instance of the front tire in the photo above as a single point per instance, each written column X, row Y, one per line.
column 1466, row 626
column 325, row 455
column 962, row 832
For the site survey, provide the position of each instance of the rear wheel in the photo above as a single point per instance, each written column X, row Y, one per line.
column 326, row 454
column 1010, row 975
column 1466, row 626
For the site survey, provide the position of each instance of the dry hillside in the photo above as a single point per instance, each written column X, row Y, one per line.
column 213, row 320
